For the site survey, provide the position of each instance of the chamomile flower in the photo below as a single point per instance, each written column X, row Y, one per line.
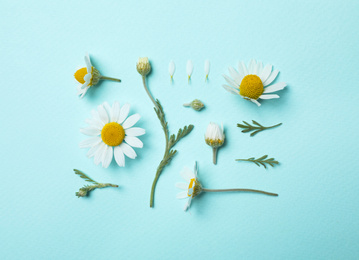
column 112, row 134
column 89, row 76
column 254, row 82
column 214, row 137
column 191, row 188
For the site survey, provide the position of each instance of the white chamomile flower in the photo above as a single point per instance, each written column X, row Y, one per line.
column 112, row 134
column 171, row 69
column 206, row 68
column 89, row 76
column 192, row 188
column 214, row 137
column 253, row 83
column 189, row 69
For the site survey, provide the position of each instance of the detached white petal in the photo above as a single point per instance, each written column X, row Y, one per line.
column 269, row 96
column 189, row 69
column 206, row 68
column 172, row 68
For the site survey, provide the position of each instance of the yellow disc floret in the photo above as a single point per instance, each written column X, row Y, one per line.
column 80, row 74
column 112, row 134
column 251, row 87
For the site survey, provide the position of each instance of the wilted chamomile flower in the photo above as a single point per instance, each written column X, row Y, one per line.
column 214, row 137
column 89, row 76
column 254, row 82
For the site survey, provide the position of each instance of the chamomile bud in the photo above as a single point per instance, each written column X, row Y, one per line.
column 195, row 104
column 214, row 137
column 143, row 66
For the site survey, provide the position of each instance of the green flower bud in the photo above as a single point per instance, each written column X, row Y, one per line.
column 195, row 104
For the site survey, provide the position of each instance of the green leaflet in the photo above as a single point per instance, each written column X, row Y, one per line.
column 256, row 127
column 261, row 161
column 86, row 189
column 171, row 141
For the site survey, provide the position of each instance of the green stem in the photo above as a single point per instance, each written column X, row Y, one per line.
column 242, row 190
column 109, row 78
column 215, row 155
column 148, row 92
column 272, row 126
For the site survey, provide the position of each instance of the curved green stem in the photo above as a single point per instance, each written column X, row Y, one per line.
column 109, row 78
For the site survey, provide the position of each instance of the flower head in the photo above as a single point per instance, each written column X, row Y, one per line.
column 195, row 104
column 88, row 76
column 143, row 66
column 214, row 136
column 253, row 83
column 112, row 134
column 192, row 187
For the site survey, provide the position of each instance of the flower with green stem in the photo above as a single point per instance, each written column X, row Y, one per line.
column 144, row 67
column 192, row 188
column 89, row 76
column 214, row 137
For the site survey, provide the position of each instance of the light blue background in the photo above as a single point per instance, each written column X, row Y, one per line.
column 314, row 44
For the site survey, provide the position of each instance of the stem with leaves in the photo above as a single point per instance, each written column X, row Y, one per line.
column 85, row 190
column 256, row 127
column 261, row 161
column 170, row 140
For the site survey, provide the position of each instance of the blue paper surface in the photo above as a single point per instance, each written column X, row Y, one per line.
column 314, row 44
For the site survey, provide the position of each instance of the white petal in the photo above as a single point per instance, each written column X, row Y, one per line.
column 107, row 157
column 82, row 92
column 135, row 131
column 87, row 79
column 182, row 195
column 206, row 67
column 266, row 72
column 119, row 156
column 134, row 141
column 99, row 153
column 182, row 185
column 272, row 77
column 94, row 123
column 244, row 68
column 231, row 90
column 187, row 174
column 230, row 81
column 90, row 142
column 131, row 120
column 275, row 87
column 171, row 68
column 255, row 102
column 269, row 96
column 256, row 68
column 186, row 207
column 88, row 62
column 91, row 131
column 93, row 150
column 103, row 114
column 252, row 66
column 189, row 68
column 235, row 75
column 108, row 109
column 128, row 151
column 260, row 68
column 125, row 109
column 115, row 112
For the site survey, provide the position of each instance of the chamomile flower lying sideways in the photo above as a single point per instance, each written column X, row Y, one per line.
column 113, row 134
column 254, row 82
column 89, row 76
column 193, row 187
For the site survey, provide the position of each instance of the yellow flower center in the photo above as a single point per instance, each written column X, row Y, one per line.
column 251, row 87
column 112, row 134
column 80, row 74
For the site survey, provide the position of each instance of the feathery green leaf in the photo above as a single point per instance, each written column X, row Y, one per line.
column 261, row 161
column 84, row 176
column 256, row 127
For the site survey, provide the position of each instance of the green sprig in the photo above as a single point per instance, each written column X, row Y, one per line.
column 261, row 161
column 171, row 141
column 85, row 190
column 257, row 127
